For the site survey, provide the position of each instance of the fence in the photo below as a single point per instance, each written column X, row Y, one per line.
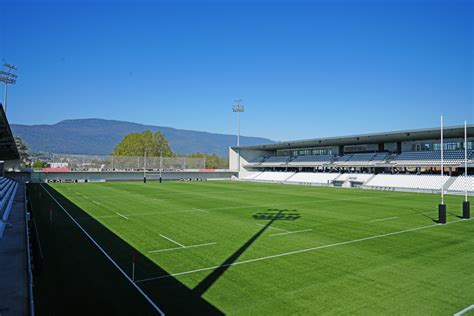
column 117, row 163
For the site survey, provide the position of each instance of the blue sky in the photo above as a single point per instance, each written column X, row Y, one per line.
column 303, row 68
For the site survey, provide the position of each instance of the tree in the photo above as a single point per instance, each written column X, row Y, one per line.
column 212, row 161
column 23, row 151
column 38, row 164
column 137, row 144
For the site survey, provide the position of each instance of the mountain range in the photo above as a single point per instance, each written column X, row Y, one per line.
column 99, row 137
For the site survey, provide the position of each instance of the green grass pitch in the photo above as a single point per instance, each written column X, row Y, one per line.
column 257, row 248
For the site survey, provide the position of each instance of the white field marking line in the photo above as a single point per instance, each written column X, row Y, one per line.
column 467, row 309
column 174, row 242
column 151, row 213
column 395, row 217
column 383, row 219
column 283, row 230
column 186, row 247
column 200, row 210
column 239, row 207
column 292, row 232
column 301, row 251
column 107, row 255
column 121, row 215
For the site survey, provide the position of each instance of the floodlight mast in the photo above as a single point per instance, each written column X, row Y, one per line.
column 7, row 77
column 238, row 108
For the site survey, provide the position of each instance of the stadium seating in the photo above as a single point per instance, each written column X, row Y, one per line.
column 316, row 177
column 275, row 160
column 407, row 181
column 316, row 160
column 379, row 158
column 250, row 175
column 431, row 157
column 355, row 177
column 273, row 176
column 461, row 183
column 7, row 195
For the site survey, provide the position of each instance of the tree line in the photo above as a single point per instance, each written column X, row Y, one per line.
column 151, row 144
column 155, row 144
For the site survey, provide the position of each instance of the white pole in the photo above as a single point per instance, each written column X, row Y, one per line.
column 5, row 98
column 238, row 139
column 144, row 166
column 442, row 163
column 133, row 268
column 161, row 162
column 465, row 161
column 238, row 128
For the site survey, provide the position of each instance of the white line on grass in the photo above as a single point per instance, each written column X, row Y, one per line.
column 185, row 247
column 151, row 213
column 121, row 215
column 283, row 230
column 200, row 210
column 467, row 309
column 174, row 242
column 107, row 255
column 238, row 207
column 292, row 232
column 383, row 219
column 300, row 251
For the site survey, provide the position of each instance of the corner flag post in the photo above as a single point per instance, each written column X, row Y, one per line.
column 466, row 205
column 442, row 206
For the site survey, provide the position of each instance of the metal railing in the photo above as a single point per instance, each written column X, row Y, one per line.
column 124, row 163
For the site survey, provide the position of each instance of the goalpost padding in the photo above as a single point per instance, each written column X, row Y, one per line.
column 466, row 210
column 442, row 213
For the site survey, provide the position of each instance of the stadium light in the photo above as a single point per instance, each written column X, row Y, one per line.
column 238, row 108
column 7, row 77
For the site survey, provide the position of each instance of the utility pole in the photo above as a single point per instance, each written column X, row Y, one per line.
column 238, row 108
column 7, row 77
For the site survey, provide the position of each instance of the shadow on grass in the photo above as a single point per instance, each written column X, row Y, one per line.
column 434, row 219
column 76, row 278
column 271, row 215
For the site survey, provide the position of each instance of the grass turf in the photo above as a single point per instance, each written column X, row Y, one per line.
column 288, row 249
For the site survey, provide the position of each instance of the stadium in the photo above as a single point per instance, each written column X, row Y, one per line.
column 290, row 226
column 130, row 184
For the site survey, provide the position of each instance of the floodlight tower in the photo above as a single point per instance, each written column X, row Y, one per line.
column 7, row 77
column 238, row 107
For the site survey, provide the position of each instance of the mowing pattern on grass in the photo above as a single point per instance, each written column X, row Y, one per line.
column 240, row 248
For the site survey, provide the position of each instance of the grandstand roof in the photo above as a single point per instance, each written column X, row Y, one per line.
column 375, row 138
column 8, row 149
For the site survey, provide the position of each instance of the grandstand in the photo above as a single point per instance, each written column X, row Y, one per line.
column 16, row 291
column 182, row 247
column 404, row 160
